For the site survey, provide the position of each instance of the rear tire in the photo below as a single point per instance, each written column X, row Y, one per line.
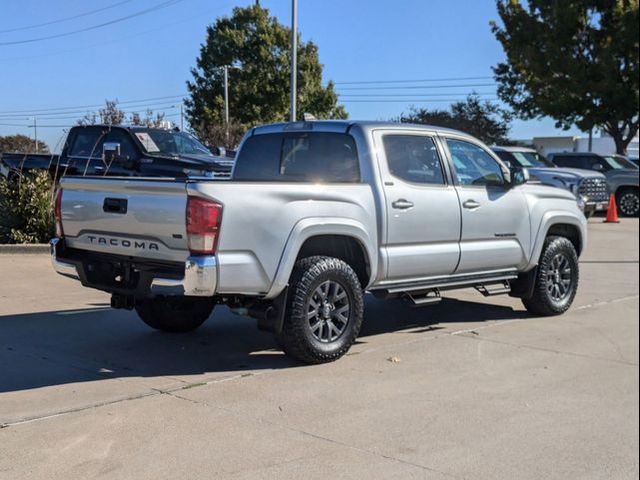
column 175, row 314
column 628, row 202
column 557, row 279
column 324, row 311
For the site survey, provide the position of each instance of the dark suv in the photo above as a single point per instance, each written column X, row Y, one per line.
column 622, row 176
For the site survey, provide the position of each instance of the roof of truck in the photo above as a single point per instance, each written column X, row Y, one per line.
column 345, row 125
column 513, row 149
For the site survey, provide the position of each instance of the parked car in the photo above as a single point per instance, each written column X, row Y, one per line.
column 589, row 186
column 315, row 214
column 622, row 176
column 123, row 151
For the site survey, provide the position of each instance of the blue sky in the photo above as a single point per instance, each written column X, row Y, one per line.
column 150, row 55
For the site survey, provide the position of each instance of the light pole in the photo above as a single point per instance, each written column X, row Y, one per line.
column 226, row 101
column 294, row 59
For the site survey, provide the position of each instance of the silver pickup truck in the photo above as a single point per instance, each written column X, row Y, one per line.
column 315, row 214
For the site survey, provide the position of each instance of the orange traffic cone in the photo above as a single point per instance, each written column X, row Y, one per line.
column 612, row 210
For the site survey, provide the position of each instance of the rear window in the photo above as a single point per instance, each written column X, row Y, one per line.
column 299, row 157
column 89, row 143
column 568, row 161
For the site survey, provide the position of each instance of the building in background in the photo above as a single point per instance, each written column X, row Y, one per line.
column 603, row 145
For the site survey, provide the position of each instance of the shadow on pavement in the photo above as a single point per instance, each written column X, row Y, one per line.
column 54, row 348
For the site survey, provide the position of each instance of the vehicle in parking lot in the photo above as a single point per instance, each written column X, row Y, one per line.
column 111, row 150
column 315, row 214
column 622, row 176
column 588, row 186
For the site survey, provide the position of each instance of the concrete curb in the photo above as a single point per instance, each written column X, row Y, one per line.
column 24, row 248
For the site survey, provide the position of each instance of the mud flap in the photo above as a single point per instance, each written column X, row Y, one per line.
column 523, row 286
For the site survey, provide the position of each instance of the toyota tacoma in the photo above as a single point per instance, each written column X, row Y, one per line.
column 315, row 215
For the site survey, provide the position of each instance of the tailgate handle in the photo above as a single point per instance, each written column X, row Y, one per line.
column 115, row 205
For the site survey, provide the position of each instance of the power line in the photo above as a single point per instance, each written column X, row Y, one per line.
column 416, row 100
column 450, row 79
column 413, row 94
column 415, row 87
column 160, row 6
column 62, row 109
column 85, row 113
column 60, row 20
column 124, row 38
column 74, row 114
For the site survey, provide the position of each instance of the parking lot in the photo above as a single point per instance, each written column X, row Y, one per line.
column 469, row 388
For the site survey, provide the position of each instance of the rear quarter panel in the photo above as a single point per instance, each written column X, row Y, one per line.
column 263, row 225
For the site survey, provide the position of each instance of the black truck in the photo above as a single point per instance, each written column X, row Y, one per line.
column 123, row 151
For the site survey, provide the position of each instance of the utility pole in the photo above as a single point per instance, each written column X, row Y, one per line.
column 294, row 59
column 35, row 132
column 226, row 101
column 182, row 117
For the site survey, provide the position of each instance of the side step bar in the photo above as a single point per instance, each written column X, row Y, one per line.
column 452, row 283
column 429, row 292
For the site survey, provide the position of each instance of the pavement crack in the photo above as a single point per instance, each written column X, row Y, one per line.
column 61, row 413
column 549, row 350
column 245, row 417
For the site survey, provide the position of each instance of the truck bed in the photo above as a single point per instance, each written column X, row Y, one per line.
column 145, row 218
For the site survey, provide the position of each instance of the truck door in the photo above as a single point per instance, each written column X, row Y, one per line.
column 422, row 208
column 495, row 218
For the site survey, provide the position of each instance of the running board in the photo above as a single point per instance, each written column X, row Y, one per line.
column 495, row 289
column 428, row 298
column 466, row 281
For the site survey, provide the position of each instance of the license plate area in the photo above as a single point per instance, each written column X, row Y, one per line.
column 113, row 274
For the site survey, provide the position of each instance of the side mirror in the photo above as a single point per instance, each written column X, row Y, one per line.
column 598, row 167
column 110, row 151
column 519, row 176
column 220, row 151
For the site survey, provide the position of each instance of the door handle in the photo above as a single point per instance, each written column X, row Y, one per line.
column 402, row 204
column 471, row 204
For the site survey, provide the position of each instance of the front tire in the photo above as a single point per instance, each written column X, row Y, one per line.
column 324, row 311
column 628, row 202
column 175, row 314
column 557, row 279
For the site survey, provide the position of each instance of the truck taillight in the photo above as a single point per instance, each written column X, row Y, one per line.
column 57, row 213
column 203, row 225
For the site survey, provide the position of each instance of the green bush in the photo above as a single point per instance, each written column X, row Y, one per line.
column 26, row 209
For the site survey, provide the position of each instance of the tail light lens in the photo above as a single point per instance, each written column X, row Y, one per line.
column 203, row 225
column 57, row 213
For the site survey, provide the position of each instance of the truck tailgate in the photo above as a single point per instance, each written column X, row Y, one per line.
column 143, row 218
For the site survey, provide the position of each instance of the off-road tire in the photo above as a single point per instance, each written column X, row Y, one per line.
column 298, row 338
column 175, row 314
column 543, row 302
column 627, row 201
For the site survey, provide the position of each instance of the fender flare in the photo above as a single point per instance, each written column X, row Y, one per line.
column 549, row 219
column 315, row 226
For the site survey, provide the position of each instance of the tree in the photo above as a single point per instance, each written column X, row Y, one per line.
column 575, row 61
column 21, row 144
column 484, row 120
column 111, row 114
column 258, row 47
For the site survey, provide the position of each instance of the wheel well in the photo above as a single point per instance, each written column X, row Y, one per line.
column 343, row 247
column 626, row 188
column 571, row 232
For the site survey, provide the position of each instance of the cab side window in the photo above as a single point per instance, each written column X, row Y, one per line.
column 473, row 165
column 127, row 149
column 89, row 143
column 413, row 158
column 86, row 143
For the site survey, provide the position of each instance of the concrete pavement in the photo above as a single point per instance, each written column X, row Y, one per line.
column 470, row 388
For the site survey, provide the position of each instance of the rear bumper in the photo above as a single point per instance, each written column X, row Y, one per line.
column 198, row 277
